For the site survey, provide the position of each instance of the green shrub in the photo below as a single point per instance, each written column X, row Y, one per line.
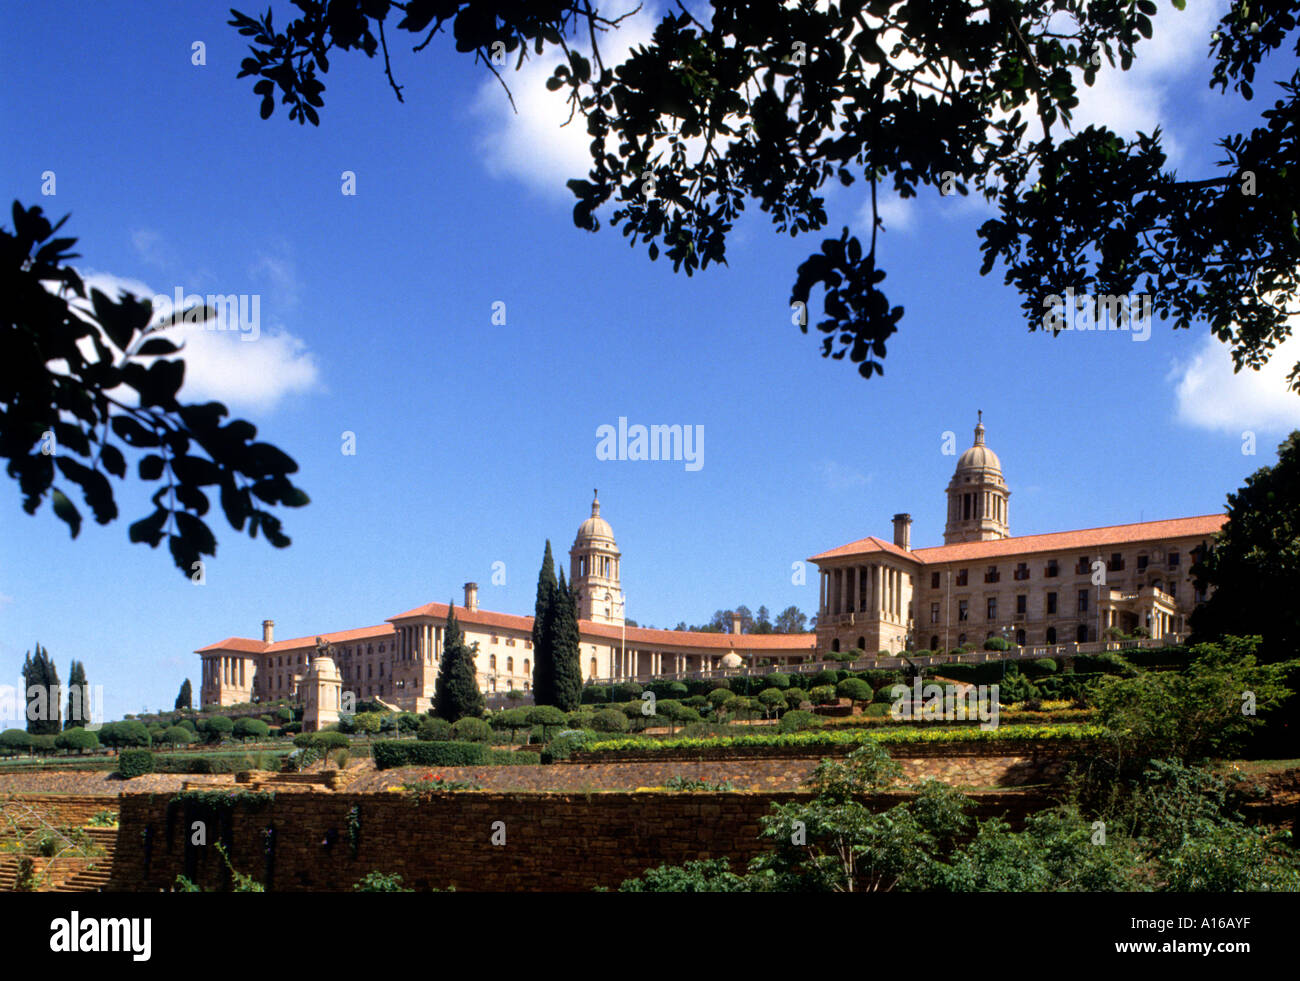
column 595, row 694
column 775, row 680
column 404, row 752
column 134, row 762
column 627, row 691
column 77, row 739
column 772, row 700
column 367, row 723
column 997, row 644
column 548, row 717
column 579, row 719
column 823, row 678
column 854, row 689
column 339, row 758
column 797, row 720
column 719, row 697
column 1039, row 667
column 247, row 728
column 216, row 728
column 471, row 730
column 179, row 736
column 884, row 695
column 610, row 720
column 408, row 723
column 822, row 695
column 433, row 729
column 328, row 741
column 379, row 882
column 564, row 744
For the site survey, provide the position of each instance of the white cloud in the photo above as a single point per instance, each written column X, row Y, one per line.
column 1210, row 396
column 246, row 368
column 1137, row 99
column 534, row 145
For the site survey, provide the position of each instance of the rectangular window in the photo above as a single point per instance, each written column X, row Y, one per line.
column 1172, row 590
column 1142, row 563
column 1052, row 569
column 993, row 608
column 1116, row 563
column 934, row 612
column 1083, row 601
column 1173, row 560
column 961, row 577
column 1022, row 571
column 1083, row 565
column 1022, row 604
column 991, row 574
column 963, row 610
column 934, row 580
column 1051, row 603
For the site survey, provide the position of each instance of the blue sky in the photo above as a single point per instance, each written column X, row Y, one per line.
column 475, row 442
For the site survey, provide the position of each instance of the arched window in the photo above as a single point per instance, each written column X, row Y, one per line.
column 510, row 665
column 835, row 645
column 961, row 640
column 934, row 642
column 1020, row 638
column 492, row 662
column 862, row 643
column 1051, row 635
column 593, row 668
column 1081, row 635
column 527, row 669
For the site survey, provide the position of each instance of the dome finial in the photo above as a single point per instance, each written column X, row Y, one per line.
column 595, row 503
column 979, row 427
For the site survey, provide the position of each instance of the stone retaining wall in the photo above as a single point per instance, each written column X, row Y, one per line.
column 473, row 841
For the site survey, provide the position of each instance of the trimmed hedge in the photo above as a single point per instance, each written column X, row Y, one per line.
column 510, row 757
column 414, row 752
column 134, row 763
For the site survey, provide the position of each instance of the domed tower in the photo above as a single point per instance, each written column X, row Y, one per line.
column 977, row 496
column 594, row 572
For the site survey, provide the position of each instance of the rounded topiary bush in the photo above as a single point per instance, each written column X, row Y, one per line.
column 777, row 680
column 797, row 720
column 77, row 740
column 565, row 743
column 610, row 720
column 433, row 729
column 626, row 691
column 595, row 694
column 822, row 695
column 179, row 736
column 134, row 763
column 250, row 729
column 854, row 689
column 795, row 697
column 824, row 677
column 884, row 695
column 471, row 730
column 997, row 644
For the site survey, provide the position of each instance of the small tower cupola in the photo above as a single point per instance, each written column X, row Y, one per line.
column 594, row 574
column 977, row 495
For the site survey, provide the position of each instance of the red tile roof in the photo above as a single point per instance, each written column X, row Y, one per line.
column 1144, row 531
column 244, row 645
column 793, row 643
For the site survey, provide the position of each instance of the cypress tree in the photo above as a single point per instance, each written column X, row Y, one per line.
column 456, row 693
column 43, row 709
column 185, row 699
column 567, row 694
column 78, row 713
column 543, row 648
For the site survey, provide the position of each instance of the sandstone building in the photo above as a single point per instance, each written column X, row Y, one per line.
column 398, row 660
column 1033, row 590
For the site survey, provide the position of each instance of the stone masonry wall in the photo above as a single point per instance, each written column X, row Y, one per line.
column 552, row 842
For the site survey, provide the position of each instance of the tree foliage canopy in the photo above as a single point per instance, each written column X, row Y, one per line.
column 767, row 103
column 64, row 364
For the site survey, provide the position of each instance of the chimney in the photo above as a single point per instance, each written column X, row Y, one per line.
column 471, row 596
column 903, row 531
column 735, row 623
column 268, row 631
